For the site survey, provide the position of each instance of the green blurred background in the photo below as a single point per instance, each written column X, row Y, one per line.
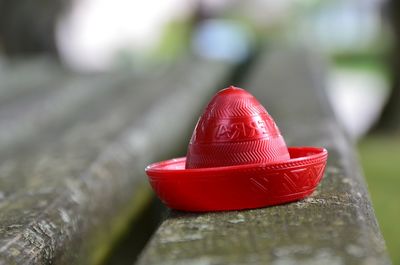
column 380, row 158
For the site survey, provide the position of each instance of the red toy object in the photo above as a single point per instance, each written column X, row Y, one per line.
column 237, row 159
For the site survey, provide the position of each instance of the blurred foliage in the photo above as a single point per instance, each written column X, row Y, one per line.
column 380, row 157
column 365, row 61
column 175, row 39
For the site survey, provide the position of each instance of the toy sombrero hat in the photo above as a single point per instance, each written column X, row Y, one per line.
column 237, row 159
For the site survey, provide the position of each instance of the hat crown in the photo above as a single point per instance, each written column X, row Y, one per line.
column 235, row 129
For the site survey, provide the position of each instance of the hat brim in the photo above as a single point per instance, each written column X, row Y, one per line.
column 240, row 186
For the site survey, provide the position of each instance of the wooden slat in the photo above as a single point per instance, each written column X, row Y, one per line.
column 36, row 117
column 24, row 78
column 336, row 225
column 67, row 201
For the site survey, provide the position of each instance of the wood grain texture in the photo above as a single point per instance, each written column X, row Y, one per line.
column 335, row 226
column 66, row 201
column 52, row 107
column 30, row 76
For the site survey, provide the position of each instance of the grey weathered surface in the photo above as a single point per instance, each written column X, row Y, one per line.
column 67, row 200
column 50, row 106
column 336, row 225
column 32, row 76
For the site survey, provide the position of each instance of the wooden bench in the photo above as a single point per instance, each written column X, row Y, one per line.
column 73, row 151
column 336, row 225
column 68, row 196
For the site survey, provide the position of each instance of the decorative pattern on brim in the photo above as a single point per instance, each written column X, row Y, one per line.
column 240, row 186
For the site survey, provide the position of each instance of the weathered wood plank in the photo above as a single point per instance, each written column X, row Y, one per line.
column 68, row 200
column 34, row 117
column 24, row 78
column 336, row 225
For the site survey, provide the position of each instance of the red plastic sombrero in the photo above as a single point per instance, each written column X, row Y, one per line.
column 237, row 159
